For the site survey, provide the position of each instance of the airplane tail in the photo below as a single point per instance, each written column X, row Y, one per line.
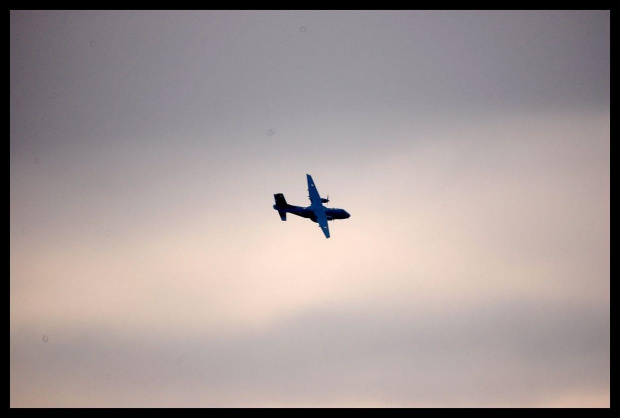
column 280, row 200
column 280, row 203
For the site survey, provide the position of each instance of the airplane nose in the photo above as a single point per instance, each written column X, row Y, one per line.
column 348, row 214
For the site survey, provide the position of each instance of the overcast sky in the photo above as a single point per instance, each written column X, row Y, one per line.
column 148, row 268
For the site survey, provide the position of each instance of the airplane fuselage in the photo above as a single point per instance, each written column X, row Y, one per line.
column 309, row 212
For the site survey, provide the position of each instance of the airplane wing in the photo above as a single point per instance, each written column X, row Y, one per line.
column 321, row 219
column 319, row 210
column 313, row 193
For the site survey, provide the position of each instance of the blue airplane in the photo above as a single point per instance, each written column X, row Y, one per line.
column 316, row 212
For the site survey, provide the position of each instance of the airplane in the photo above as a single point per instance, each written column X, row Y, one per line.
column 316, row 212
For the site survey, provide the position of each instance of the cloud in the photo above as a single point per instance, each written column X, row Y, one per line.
column 503, row 354
column 471, row 148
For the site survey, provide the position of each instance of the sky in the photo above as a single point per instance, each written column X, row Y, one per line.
column 149, row 269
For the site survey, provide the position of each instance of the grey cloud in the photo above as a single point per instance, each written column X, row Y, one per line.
column 149, row 71
column 513, row 353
